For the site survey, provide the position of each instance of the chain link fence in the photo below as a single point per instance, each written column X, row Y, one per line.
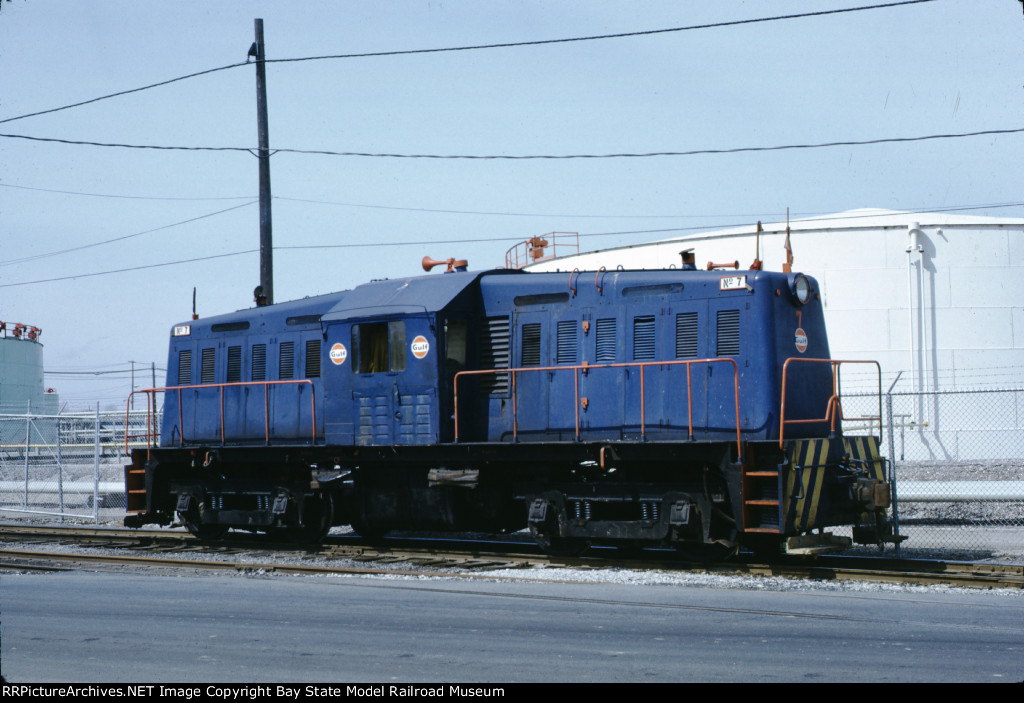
column 957, row 461
column 70, row 465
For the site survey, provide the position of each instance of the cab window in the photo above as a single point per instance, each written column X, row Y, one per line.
column 379, row 346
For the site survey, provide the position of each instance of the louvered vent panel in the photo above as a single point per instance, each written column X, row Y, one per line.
column 686, row 335
column 643, row 338
column 185, row 367
column 566, row 353
column 286, row 364
column 209, row 360
column 259, row 362
column 234, row 364
column 605, row 340
column 494, row 354
column 414, row 426
column 728, row 334
column 312, row 358
column 531, row 344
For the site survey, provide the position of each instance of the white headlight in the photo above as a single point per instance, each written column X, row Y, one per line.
column 801, row 288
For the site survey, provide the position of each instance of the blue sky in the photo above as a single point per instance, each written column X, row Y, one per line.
column 943, row 67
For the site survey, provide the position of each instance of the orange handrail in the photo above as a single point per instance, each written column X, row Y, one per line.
column 642, row 365
column 152, row 433
column 834, row 407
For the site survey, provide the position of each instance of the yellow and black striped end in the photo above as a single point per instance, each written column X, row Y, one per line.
column 805, row 476
column 863, row 451
column 862, row 455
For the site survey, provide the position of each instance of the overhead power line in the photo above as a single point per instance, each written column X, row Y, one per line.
column 526, row 157
column 492, row 239
column 492, row 213
column 489, row 240
column 476, row 47
column 120, row 373
column 123, row 92
column 489, row 213
column 689, row 216
column 618, row 35
column 34, row 257
column 130, row 268
column 125, row 197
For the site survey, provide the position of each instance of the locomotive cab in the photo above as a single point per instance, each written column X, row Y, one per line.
column 394, row 349
column 381, row 386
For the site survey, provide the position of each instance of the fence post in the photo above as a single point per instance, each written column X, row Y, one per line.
column 96, row 467
column 60, row 469
column 892, row 464
column 28, row 435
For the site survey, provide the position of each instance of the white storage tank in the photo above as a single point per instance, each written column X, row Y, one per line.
column 937, row 299
column 21, row 372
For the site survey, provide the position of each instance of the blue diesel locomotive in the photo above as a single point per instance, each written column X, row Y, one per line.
column 619, row 407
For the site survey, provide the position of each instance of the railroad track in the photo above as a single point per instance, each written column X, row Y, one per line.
column 49, row 548
column 253, row 552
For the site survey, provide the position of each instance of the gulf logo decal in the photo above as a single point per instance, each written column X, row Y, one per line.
column 338, row 354
column 800, row 338
column 420, row 346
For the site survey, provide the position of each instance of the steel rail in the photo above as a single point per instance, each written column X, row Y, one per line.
column 431, row 559
column 9, row 559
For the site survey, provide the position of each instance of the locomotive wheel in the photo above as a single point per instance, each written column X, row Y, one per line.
column 192, row 519
column 557, row 546
column 318, row 516
column 369, row 531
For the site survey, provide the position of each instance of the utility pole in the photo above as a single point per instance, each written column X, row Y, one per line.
column 265, row 293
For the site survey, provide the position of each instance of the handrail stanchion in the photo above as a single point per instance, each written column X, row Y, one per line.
column 689, row 404
column 455, row 406
column 835, row 397
column 576, row 395
column 643, row 404
column 736, row 390
column 312, row 409
column 222, row 415
column 127, row 418
column 181, row 422
column 266, row 413
column 515, row 411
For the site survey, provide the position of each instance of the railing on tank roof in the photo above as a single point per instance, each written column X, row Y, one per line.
column 834, row 407
column 576, row 368
column 546, row 246
column 153, row 432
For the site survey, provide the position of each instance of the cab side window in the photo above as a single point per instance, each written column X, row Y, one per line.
column 379, row 346
column 455, row 343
